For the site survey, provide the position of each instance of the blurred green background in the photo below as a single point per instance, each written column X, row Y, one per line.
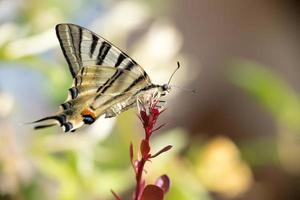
column 237, row 138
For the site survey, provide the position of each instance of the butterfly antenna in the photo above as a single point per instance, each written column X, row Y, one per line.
column 185, row 89
column 178, row 66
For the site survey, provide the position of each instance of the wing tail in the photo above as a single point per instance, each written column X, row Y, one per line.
column 44, row 126
column 54, row 120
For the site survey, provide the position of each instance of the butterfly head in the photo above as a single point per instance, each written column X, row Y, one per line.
column 165, row 89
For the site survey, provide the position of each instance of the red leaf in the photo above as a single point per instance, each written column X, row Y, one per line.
column 115, row 195
column 159, row 127
column 167, row 148
column 162, row 111
column 131, row 152
column 152, row 192
column 145, row 149
column 164, row 183
column 144, row 116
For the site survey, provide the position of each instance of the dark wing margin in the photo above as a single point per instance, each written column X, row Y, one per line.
column 67, row 42
column 81, row 47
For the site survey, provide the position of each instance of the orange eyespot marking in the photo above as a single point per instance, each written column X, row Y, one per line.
column 88, row 112
column 88, row 117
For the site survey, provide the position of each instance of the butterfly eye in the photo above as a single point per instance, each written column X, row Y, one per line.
column 165, row 87
column 88, row 119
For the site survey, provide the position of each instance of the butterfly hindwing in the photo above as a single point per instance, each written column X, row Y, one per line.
column 118, row 91
column 102, row 87
column 120, row 107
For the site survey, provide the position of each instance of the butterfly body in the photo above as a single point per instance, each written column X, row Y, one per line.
column 106, row 81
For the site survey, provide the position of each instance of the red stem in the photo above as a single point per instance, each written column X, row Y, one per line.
column 148, row 124
column 139, row 178
column 141, row 166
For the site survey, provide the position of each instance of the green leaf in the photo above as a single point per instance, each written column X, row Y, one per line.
column 270, row 90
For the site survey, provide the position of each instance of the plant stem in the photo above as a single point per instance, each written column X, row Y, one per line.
column 139, row 178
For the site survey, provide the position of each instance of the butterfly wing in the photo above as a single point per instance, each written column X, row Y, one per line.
column 123, row 86
column 94, row 86
column 81, row 47
column 106, row 80
column 85, row 94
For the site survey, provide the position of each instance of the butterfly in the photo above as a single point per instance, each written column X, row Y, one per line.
column 106, row 81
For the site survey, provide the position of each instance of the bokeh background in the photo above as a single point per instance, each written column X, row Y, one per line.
column 237, row 138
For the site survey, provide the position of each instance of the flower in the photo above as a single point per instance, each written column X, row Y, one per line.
column 149, row 111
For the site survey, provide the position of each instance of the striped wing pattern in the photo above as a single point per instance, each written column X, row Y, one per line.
column 100, row 88
column 82, row 47
column 105, row 79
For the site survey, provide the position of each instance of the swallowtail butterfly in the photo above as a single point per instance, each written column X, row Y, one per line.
column 106, row 81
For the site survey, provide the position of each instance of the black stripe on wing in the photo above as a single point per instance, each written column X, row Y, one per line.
column 81, row 47
column 104, row 49
column 128, row 89
column 65, row 51
column 93, row 45
column 120, row 59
